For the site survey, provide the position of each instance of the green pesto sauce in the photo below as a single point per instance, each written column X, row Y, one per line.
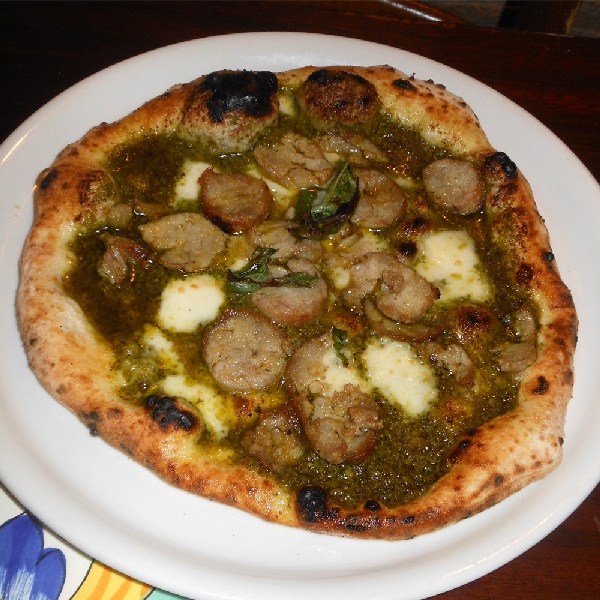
column 411, row 454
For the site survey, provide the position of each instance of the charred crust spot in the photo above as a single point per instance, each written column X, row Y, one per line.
column 408, row 520
column 93, row 429
column 403, row 84
column 91, row 416
column 524, row 274
column 499, row 480
column 459, row 449
column 326, row 77
column 548, row 256
column 372, row 505
column 165, row 413
column 509, row 168
column 542, row 386
column 561, row 440
column 407, row 249
column 32, row 341
column 240, row 91
column 47, row 180
column 312, row 501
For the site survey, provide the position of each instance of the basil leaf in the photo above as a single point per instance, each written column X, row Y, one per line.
column 339, row 341
column 257, row 269
column 242, row 286
column 306, row 197
column 320, row 213
column 297, row 279
column 341, row 191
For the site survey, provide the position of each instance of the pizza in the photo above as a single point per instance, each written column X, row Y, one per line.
column 320, row 296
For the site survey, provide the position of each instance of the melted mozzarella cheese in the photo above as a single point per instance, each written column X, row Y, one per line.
column 337, row 376
column 394, row 370
column 448, row 260
column 188, row 187
column 187, row 303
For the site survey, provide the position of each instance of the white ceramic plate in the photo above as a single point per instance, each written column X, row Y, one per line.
column 120, row 514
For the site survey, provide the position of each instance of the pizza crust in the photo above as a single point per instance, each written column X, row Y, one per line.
column 74, row 364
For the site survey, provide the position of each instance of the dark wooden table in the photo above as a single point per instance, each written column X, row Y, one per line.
column 47, row 47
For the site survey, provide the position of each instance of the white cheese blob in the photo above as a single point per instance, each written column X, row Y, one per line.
column 399, row 375
column 206, row 398
column 448, row 260
column 188, row 187
column 337, row 376
column 187, row 303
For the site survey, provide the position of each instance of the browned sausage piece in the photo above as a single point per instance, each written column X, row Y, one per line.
column 342, row 425
column 382, row 202
column 330, row 96
column 294, row 162
column 403, row 295
column 234, row 201
column 244, row 351
column 277, row 441
column 293, row 306
column 454, row 185
column 191, row 241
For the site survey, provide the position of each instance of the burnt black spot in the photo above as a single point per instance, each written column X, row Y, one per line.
column 542, row 386
column 508, row 166
column 459, row 449
column 325, row 77
column 409, row 520
column 524, row 274
column 403, row 84
column 499, row 480
column 407, row 249
column 312, row 500
column 91, row 416
column 242, row 91
column 372, row 505
column 93, row 429
column 416, row 226
column 165, row 412
column 48, row 178
column 561, row 441
column 548, row 256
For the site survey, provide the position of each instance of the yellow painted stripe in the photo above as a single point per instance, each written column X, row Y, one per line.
column 102, row 583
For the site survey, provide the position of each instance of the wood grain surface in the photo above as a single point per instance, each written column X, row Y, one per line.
column 47, row 47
